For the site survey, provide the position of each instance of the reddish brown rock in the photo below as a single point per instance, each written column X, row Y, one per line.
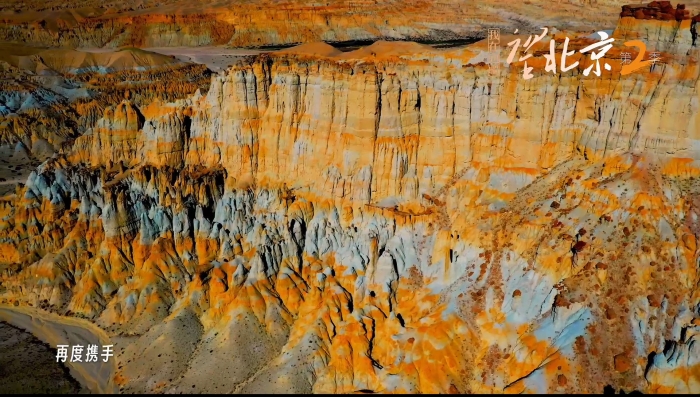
column 622, row 363
column 140, row 245
column 561, row 380
column 654, row 300
column 658, row 10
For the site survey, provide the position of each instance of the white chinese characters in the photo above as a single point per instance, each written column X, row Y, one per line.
column 596, row 51
column 494, row 41
column 76, row 356
column 625, row 58
column 91, row 354
column 595, row 56
column 528, row 44
column 76, row 353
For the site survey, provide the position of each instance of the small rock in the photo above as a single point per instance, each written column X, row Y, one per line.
column 622, row 363
column 561, row 380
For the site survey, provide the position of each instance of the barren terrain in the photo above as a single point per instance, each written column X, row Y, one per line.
column 238, row 213
column 28, row 366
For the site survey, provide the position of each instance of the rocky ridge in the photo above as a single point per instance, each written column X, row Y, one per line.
column 381, row 223
column 273, row 23
column 42, row 113
column 50, row 97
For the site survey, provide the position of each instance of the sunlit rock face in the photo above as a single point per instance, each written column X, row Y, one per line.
column 660, row 27
column 366, row 222
column 79, row 24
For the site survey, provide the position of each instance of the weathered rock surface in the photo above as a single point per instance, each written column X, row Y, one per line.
column 271, row 22
column 389, row 220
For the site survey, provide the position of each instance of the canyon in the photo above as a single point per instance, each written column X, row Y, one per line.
column 396, row 218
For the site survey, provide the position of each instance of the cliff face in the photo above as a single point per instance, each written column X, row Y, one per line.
column 284, row 118
column 659, row 26
column 402, row 223
column 43, row 103
column 266, row 22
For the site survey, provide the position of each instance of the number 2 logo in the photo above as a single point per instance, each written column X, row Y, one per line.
column 637, row 63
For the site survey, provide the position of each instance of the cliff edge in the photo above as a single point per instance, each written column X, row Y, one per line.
column 393, row 219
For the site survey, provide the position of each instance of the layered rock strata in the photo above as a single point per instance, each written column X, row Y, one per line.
column 265, row 22
column 659, row 26
column 660, row 10
column 404, row 223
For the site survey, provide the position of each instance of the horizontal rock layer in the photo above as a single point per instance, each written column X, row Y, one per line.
column 391, row 224
column 265, row 22
column 375, row 131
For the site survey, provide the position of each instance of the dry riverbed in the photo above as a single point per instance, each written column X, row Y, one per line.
column 28, row 366
column 52, row 329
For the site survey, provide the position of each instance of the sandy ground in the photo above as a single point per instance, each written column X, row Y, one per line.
column 57, row 330
column 216, row 58
column 95, row 50
column 29, row 366
column 220, row 58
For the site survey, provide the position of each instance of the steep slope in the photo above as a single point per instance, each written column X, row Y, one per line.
column 44, row 105
column 388, row 220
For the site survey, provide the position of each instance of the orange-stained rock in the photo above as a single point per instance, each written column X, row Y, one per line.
column 561, row 380
column 622, row 363
column 660, row 10
column 390, row 219
column 268, row 22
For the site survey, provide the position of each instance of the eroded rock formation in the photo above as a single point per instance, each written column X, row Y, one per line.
column 660, row 10
column 402, row 223
column 271, row 22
